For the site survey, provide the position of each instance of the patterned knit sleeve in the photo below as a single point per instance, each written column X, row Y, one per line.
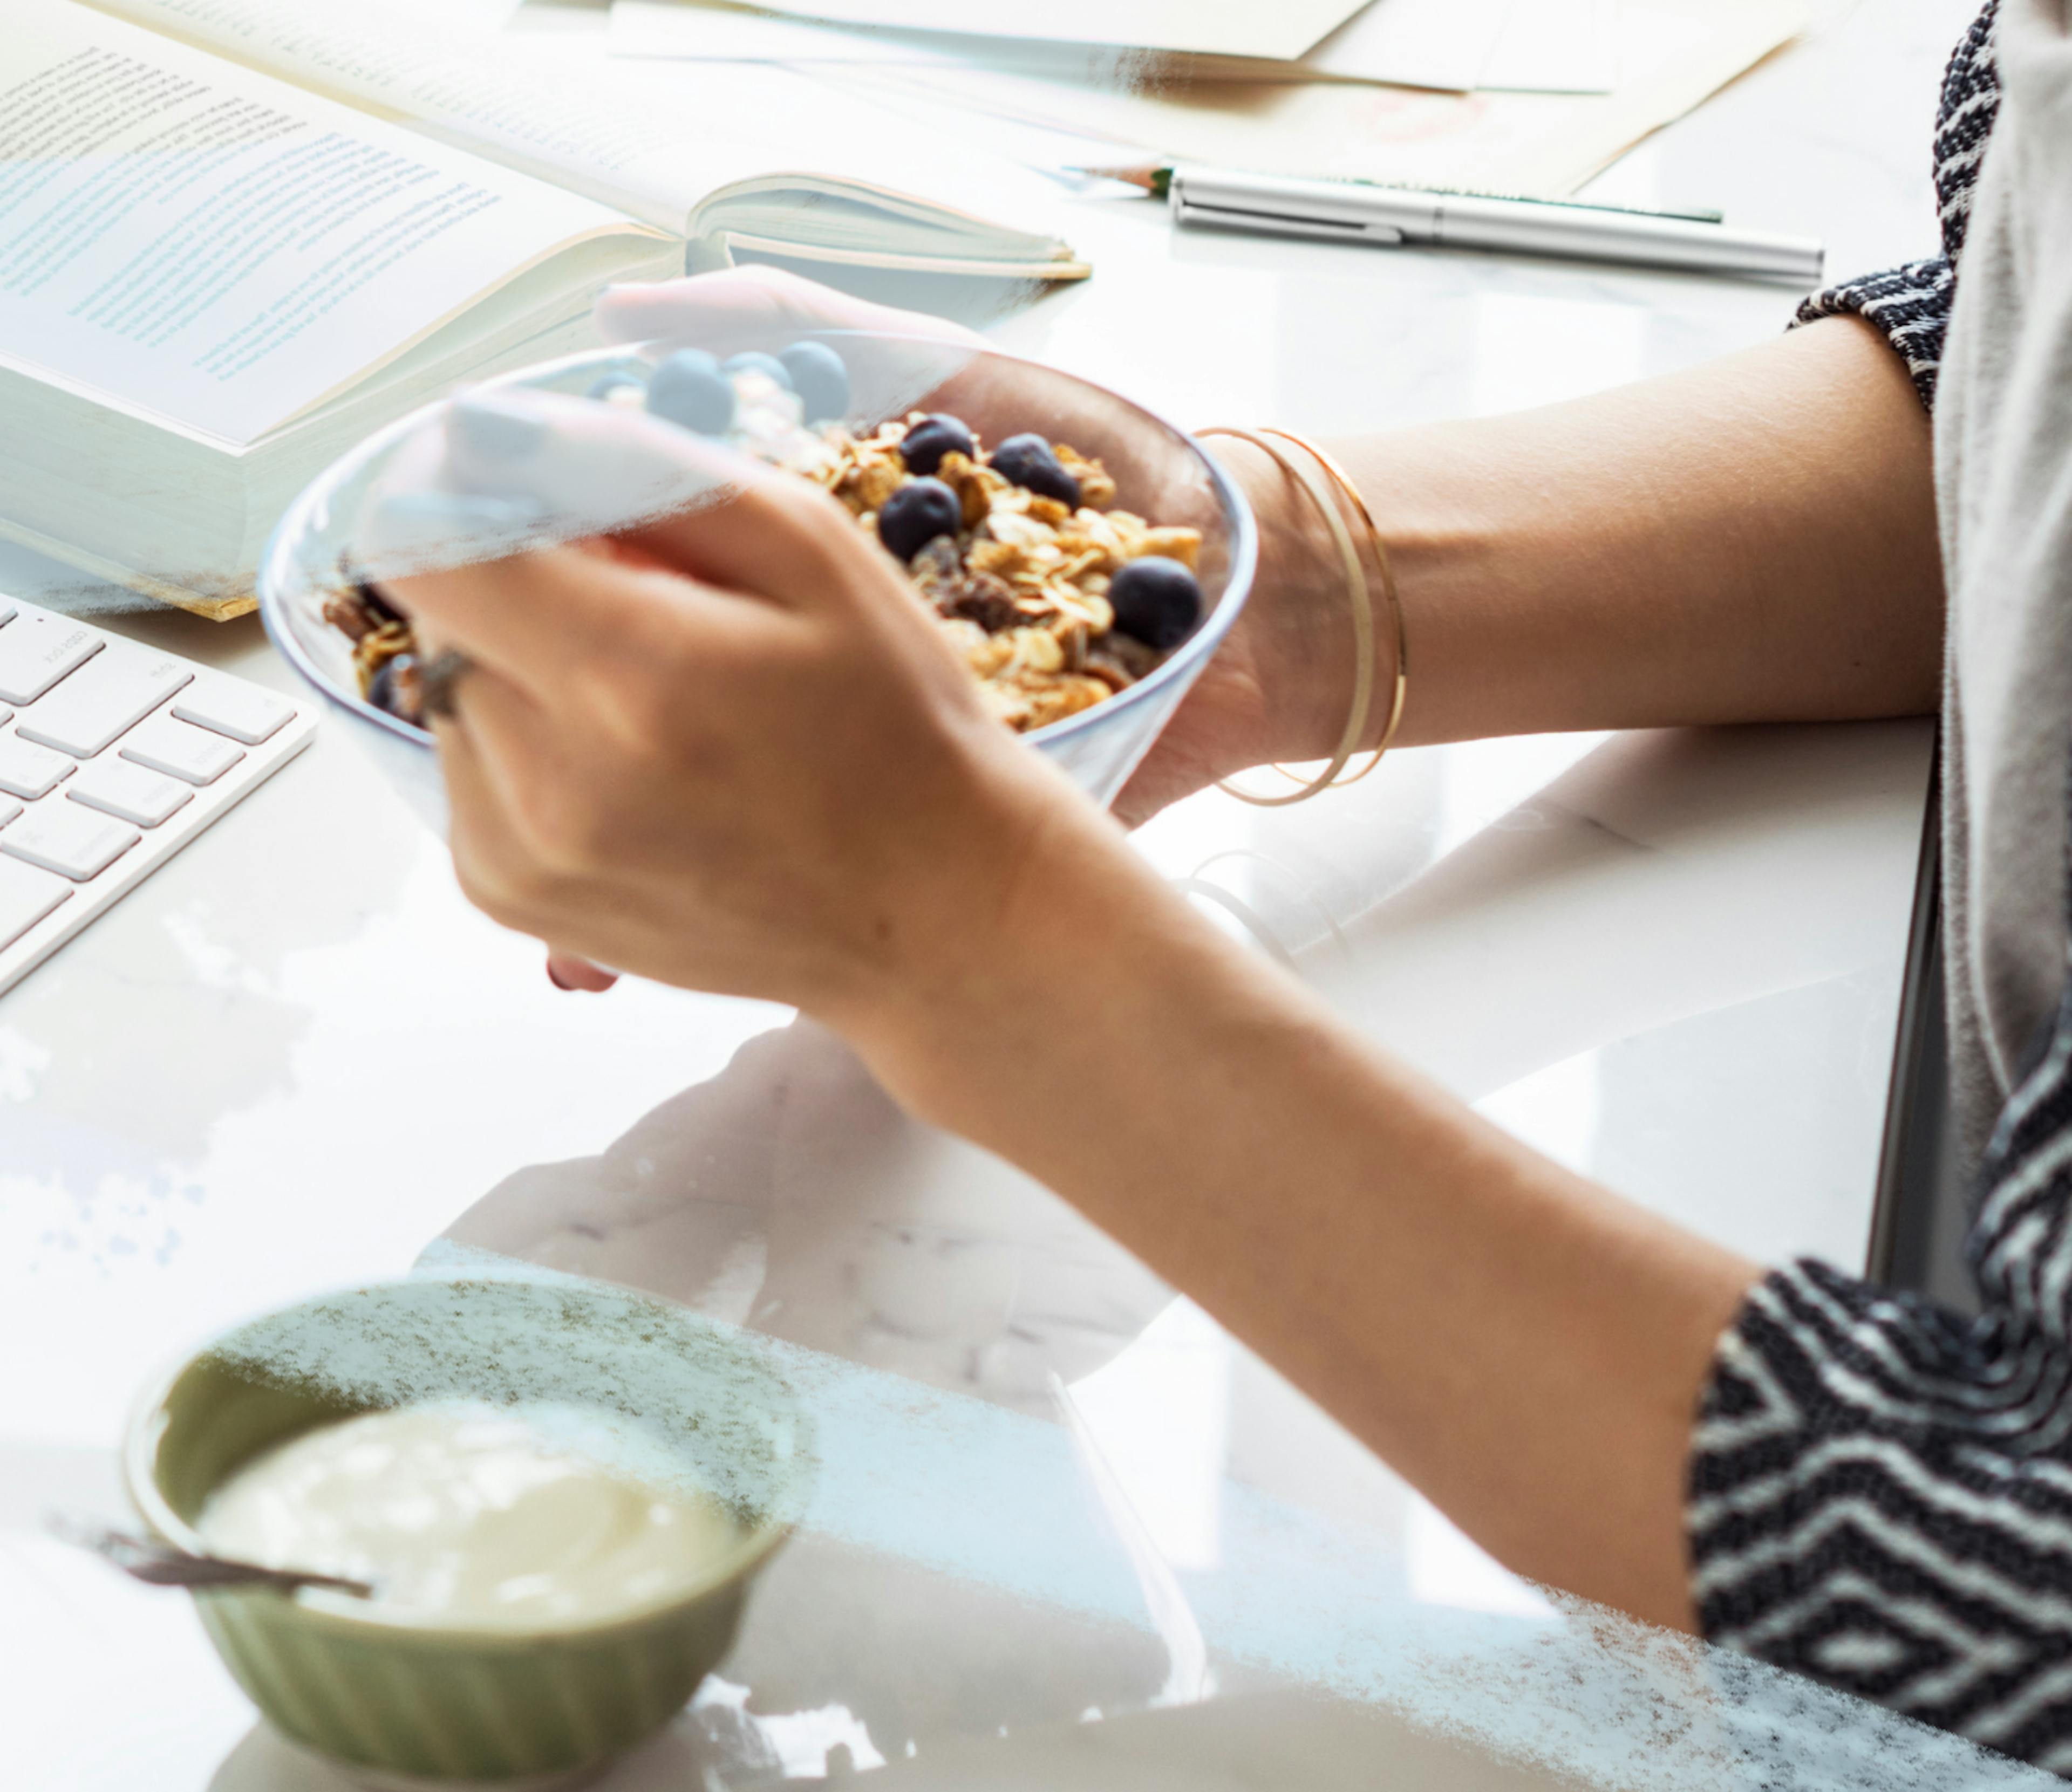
column 1910, row 305
column 1881, row 1491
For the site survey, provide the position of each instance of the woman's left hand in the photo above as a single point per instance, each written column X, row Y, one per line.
column 1278, row 685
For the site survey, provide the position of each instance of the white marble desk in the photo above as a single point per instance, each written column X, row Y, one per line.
column 296, row 1058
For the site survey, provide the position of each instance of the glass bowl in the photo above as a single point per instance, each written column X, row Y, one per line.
column 1161, row 474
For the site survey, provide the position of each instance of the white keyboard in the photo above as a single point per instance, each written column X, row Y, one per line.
column 112, row 756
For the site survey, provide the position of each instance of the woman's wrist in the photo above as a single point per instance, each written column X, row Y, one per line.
column 989, row 1028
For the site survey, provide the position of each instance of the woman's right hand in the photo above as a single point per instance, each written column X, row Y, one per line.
column 727, row 749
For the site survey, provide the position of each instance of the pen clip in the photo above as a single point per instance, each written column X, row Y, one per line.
column 1280, row 223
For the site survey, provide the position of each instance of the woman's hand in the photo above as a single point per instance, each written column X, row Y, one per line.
column 726, row 749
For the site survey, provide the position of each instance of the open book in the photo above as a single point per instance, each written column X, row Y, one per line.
column 236, row 235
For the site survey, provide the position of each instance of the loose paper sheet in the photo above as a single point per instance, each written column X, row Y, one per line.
column 192, row 240
column 1555, row 47
column 1282, row 28
column 1437, row 43
column 1523, row 46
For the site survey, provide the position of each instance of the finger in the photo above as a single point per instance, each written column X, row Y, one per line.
column 516, row 758
column 749, row 303
column 512, row 468
column 599, row 470
column 493, row 866
column 485, row 860
column 532, row 618
column 565, row 624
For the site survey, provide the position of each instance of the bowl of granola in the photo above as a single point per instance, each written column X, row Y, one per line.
column 1082, row 557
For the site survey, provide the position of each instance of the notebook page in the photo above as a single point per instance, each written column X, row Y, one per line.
column 185, row 239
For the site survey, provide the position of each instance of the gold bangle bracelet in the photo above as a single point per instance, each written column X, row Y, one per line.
column 1360, row 601
column 1363, row 623
column 1399, row 689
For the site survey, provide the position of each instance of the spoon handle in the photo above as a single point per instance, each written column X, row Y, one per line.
column 162, row 1565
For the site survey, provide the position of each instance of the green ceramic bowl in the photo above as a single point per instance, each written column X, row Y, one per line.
column 401, row 1703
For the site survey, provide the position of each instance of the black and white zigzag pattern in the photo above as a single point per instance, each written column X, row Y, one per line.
column 1911, row 304
column 1880, row 1490
column 1881, row 1497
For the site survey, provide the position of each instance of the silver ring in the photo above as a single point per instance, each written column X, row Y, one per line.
column 438, row 678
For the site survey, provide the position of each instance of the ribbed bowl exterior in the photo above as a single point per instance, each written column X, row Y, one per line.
column 484, row 1712
column 402, row 1704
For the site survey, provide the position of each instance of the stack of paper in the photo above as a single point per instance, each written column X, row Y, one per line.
column 1546, row 46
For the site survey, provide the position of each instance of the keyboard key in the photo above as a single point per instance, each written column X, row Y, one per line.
column 99, row 701
column 37, row 650
column 128, row 792
column 26, row 897
column 30, row 772
column 191, row 754
column 73, row 841
column 7, row 612
column 9, row 809
column 243, row 711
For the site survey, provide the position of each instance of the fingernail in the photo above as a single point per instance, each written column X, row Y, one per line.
column 496, row 426
column 553, row 978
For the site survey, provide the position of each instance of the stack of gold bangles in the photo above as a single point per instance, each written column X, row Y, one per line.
column 1325, row 499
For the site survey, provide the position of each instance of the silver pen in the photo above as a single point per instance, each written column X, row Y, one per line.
column 1360, row 211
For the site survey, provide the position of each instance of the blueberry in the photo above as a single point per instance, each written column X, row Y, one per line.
column 1028, row 460
column 931, row 438
column 378, row 606
column 689, row 390
column 1156, row 600
column 607, row 386
column 752, row 360
column 819, row 377
column 916, row 513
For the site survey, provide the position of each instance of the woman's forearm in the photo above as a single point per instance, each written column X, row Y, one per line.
column 1525, row 1347
column 1751, row 540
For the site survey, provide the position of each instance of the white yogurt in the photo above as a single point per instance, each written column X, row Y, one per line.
column 467, row 1516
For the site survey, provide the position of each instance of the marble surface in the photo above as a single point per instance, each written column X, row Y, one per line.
column 1051, row 1493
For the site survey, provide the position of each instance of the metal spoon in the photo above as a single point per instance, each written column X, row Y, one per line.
column 164, row 1565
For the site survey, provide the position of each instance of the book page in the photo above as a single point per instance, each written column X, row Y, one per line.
column 623, row 147
column 185, row 238
column 654, row 143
